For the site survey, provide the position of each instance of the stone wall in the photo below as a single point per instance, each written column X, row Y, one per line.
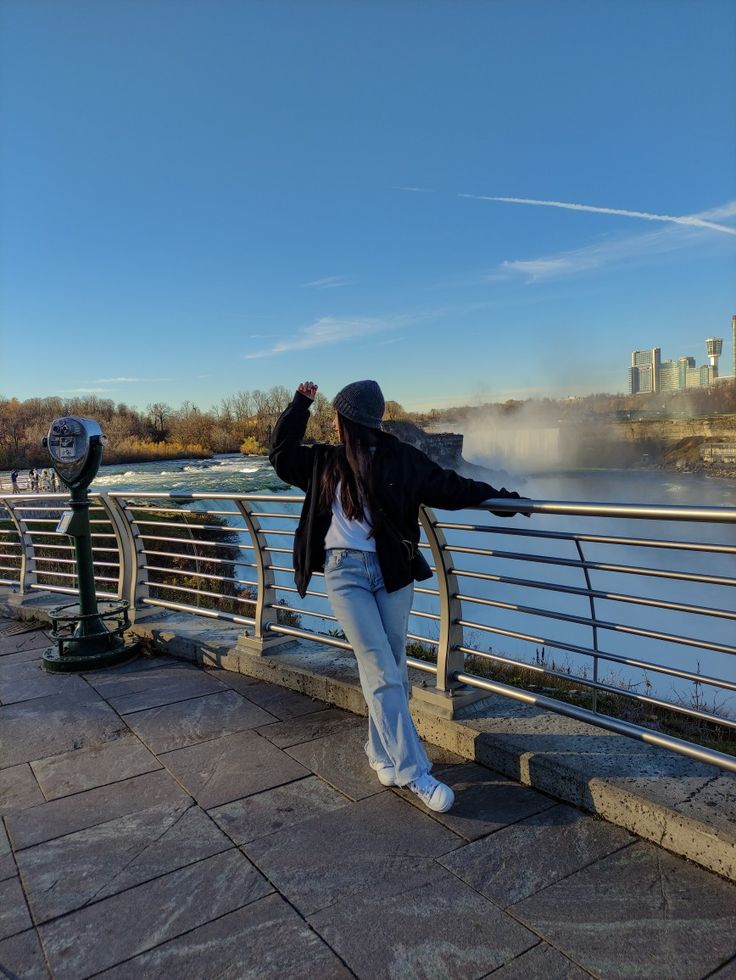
column 444, row 447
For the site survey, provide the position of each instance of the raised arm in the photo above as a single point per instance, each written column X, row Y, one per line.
column 292, row 461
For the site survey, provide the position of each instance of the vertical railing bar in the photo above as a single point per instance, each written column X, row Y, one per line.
column 27, row 577
column 115, row 510
column 265, row 614
column 138, row 582
column 119, row 530
column 449, row 659
column 594, row 628
column 17, row 531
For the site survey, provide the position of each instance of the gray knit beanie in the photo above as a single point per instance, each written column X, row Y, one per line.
column 362, row 402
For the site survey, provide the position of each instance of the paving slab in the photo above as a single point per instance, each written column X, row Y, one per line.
column 484, row 800
column 238, row 682
column 440, row 928
column 371, row 844
column 542, row 961
column 152, row 687
column 14, row 916
column 308, row 727
column 638, row 906
column 175, row 725
column 276, row 809
column 49, row 726
column 69, row 872
column 231, row 767
column 240, row 945
column 340, row 759
column 32, row 655
column 281, row 702
column 527, row 856
column 23, row 681
column 144, row 661
column 97, row 765
column 35, row 640
column 71, row 813
column 19, row 789
column 22, row 956
column 7, row 863
column 120, row 927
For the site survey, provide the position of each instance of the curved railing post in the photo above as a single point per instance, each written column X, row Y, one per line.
column 133, row 573
column 449, row 658
column 126, row 547
column 591, row 600
column 27, row 577
column 262, row 641
column 447, row 695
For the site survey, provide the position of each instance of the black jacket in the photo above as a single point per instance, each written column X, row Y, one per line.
column 404, row 478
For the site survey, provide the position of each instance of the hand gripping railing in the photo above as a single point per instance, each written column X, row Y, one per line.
column 191, row 552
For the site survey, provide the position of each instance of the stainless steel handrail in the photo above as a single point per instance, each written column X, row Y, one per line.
column 134, row 543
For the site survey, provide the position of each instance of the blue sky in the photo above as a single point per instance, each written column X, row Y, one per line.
column 199, row 198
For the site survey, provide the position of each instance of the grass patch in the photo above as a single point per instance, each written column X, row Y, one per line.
column 570, row 691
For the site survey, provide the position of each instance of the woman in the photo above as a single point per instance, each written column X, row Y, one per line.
column 359, row 525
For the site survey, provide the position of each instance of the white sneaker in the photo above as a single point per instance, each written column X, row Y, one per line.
column 386, row 774
column 433, row 794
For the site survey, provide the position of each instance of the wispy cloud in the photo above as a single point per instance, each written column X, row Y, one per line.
column 689, row 219
column 126, row 380
column 329, row 282
column 333, row 330
column 642, row 247
column 414, row 190
column 83, row 391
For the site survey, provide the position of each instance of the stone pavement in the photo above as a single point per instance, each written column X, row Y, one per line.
column 160, row 820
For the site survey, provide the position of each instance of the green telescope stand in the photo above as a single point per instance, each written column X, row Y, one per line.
column 84, row 640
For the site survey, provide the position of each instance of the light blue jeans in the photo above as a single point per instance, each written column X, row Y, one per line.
column 375, row 623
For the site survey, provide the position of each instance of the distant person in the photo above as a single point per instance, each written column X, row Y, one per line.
column 54, row 482
column 14, row 480
column 33, row 480
column 359, row 524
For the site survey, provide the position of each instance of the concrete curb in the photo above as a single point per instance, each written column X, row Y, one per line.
column 686, row 807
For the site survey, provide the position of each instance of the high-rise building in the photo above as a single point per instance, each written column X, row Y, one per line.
column 701, row 376
column 673, row 374
column 644, row 370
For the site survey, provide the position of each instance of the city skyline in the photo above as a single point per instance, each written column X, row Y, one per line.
column 200, row 199
column 648, row 373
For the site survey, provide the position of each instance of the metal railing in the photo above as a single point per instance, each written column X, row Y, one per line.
column 638, row 603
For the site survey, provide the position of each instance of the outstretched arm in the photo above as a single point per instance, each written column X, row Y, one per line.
column 444, row 488
column 292, row 461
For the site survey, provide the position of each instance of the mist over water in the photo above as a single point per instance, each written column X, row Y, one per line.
column 522, row 441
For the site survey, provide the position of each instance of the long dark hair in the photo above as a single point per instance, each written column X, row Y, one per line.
column 351, row 466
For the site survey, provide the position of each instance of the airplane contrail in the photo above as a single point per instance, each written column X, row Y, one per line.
column 674, row 219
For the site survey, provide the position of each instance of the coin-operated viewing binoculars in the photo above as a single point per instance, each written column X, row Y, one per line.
column 84, row 639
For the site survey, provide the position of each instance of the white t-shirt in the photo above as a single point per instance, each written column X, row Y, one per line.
column 346, row 533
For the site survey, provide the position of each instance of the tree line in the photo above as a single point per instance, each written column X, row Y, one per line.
column 243, row 422
column 240, row 423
